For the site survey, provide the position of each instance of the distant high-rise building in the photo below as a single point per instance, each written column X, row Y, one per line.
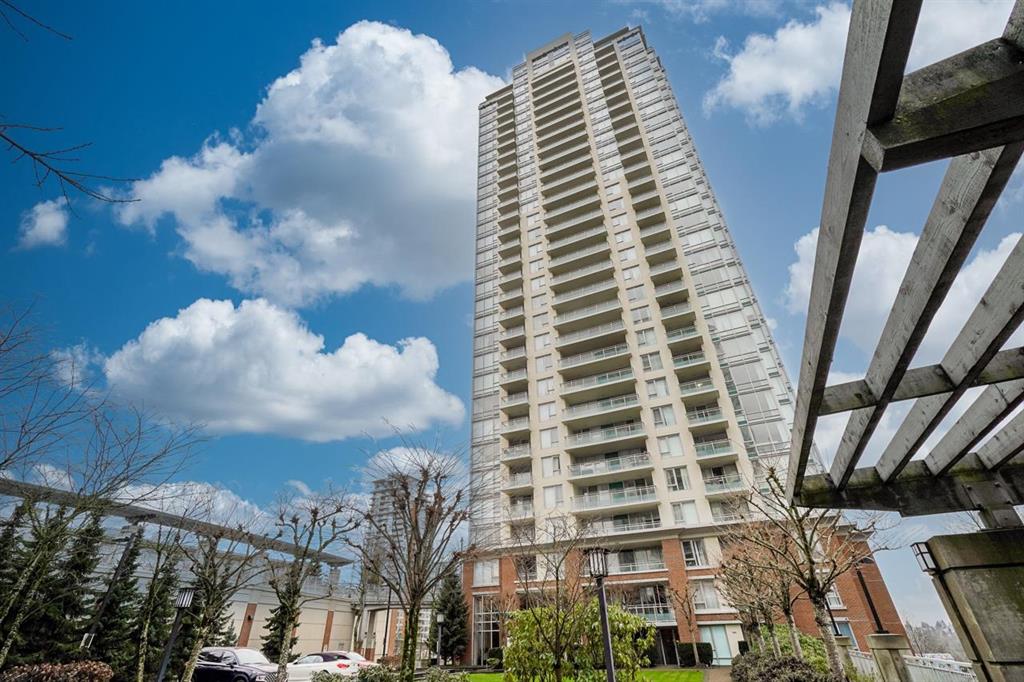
column 625, row 378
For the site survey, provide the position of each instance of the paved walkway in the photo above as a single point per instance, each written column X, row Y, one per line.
column 716, row 675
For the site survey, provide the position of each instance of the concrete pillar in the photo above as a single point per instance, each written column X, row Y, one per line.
column 980, row 580
column 844, row 643
column 888, row 652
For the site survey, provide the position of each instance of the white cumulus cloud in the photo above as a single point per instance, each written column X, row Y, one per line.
column 799, row 66
column 45, row 224
column 883, row 260
column 360, row 169
column 257, row 368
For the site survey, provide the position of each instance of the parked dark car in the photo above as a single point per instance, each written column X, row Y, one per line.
column 233, row 664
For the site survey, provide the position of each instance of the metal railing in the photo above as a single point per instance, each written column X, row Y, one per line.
column 630, row 525
column 592, row 355
column 515, row 424
column 704, row 415
column 721, row 484
column 712, row 448
column 924, row 669
column 653, row 613
column 687, row 332
column 579, row 313
column 516, row 480
column 677, row 309
column 515, row 452
column 696, row 386
column 606, row 433
column 597, row 380
column 579, row 272
column 687, row 359
column 597, row 406
column 636, row 566
column 611, row 465
column 608, row 498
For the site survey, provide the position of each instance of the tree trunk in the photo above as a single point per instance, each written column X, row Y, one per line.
column 696, row 651
column 140, row 667
column 285, row 650
column 407, row 667
column 19, row 614
column 794, row 635
column 774, row 638
column 764, row 639
column 193, row 656
column 19, row 586
column 821, row 619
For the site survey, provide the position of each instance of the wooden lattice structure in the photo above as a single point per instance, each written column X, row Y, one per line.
column 968, row 108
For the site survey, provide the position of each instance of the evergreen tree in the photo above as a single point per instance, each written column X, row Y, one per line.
column 451, row 603
column 113, row 643
column 53, row 630
column 157, row 614
column 282, row 618
column 10, row 545
column 222, row 632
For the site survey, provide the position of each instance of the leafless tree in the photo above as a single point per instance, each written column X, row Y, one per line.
column 750, row 575
column 315, row 524
column 109, row 458
column 821, row 545
column 43, row 397
column 551, row 586
column 48, row 162
column 220, row 566
column 746, row 586
column 419, row 505
column 681, row 597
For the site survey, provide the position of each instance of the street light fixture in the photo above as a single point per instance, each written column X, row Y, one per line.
column 181, row 604
column 439, row 619
column 597, row 561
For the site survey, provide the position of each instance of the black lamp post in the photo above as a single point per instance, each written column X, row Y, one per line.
column 181, row 604
column 598, row 563
column 867, row 595
column 439, row 619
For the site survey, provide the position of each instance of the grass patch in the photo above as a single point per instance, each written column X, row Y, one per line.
column 678, row 675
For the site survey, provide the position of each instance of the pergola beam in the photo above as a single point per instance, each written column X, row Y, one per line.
column 136, row 513
column 969, row 190
column 994, row 404
column 969, row 486
column 879, row 42
column 991, row 323
column 1006, row 444
column 962, row 104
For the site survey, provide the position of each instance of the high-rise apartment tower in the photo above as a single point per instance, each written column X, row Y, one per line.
column 624, row 377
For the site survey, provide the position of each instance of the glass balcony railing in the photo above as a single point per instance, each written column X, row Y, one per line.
column 580, row 272
column 513, row 353
column 611, row 465
column 520, row 511
column 515, row 398
column 518, row 480
column 609, row 498
column 603, row 285
column 590, row 332
column 652, row 613
column 515, row 452
column 636, row 566
column 713, row 447
column 578, row 236
column 723, row 484
column 593, row 355
column 664, row 267
column 517, row 375
column 688, row 359
column 687, row 332
column 597, row 380
column 606, row 433
column 580, row 253
column 511, row 312
column 512, row 332
column 628, row 524
column 696, row 386
column 516, row 424
column 677, row 309
column 669, row 288
column 599, row 406
column 704, row 416
column 595, row 309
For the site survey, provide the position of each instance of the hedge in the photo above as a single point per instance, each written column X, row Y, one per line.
column 685, row 651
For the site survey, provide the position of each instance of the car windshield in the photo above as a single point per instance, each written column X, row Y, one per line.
column 250, row 656
column 355, row 657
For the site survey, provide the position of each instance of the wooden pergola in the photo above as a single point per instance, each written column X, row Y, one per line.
column 968, row 108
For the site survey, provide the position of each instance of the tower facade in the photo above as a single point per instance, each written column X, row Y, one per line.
column 625, row 379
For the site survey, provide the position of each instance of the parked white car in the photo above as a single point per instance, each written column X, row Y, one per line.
column 337, row 662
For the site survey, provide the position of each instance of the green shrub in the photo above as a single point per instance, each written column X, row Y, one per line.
column 325, row 676
column 376, row 673
column 495, row 658
column 760, row 667
column 813, row 648
column 436, row 674
column 685, row 651
column 82, row 671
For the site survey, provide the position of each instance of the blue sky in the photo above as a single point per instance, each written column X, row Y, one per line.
column 291, row 238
